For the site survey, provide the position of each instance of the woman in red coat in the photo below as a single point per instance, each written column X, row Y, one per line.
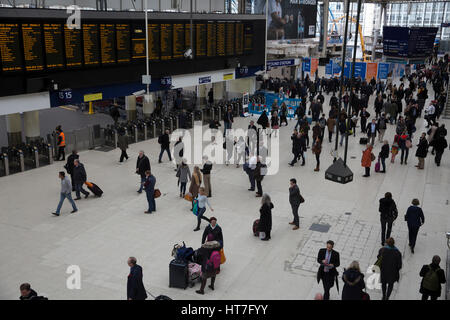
column 367, row 158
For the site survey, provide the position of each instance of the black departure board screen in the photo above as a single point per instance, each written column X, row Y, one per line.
column 200, row 39
column 73, row 46
column 138, row 42
column 230, row 38
column 166, row 41
column 178, row 45
column 211, row 42
column 91, row 45
column 123, row 43
column 221, row 27
column 108, row 43
column 239, row 38
column 154, row 42
column 32, row 46
column 248, row 38
column 53, row 43
column 187, row 37
column 10, row 53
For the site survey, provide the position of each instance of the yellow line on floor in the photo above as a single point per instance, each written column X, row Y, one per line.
column 68, row 108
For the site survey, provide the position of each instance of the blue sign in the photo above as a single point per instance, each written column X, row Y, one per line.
column 360, row 70
column 166, row 81
column 336, row 68
column 347, row 69
column 329, row 68
column 383, row 70
column 280, row 63
column 307, row 65
column 395, row 41
column 202, row 80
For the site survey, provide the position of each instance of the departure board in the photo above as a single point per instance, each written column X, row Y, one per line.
column 123, row 43
column 187, row 37
column 108, row 43
column 32, row 46
column 239, row 38
column 178, row 45
column 90, row 45
column 200, row 39
column 230, row 38
column 154, row 42
column 73, row 46
column 211, row 43
column 53, row 43
column 138, row 42
column 166, row 41
column 248, row 38
column 11, row 56
column 221, row 26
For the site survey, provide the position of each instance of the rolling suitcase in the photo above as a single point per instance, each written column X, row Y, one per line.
column 95, row 189
column 178, row 274
column 363, row 141
column 255, row 228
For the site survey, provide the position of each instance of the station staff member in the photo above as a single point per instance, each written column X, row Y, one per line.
column 61, row 144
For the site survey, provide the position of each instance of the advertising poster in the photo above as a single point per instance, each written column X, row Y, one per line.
column 371, row 72
column 383, row 70
column 290, row 19
column 307, row 65
column 329, row 68
column 360, row 70
column 336, row 68
column 314, row 65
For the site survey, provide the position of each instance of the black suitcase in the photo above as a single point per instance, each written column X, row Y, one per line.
column 363, row 141
column 96, row 190
column 178, row 274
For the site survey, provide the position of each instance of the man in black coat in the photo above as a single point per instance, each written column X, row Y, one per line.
column 294, row 200
column 388, row 214
column 70, row 164
column 214, row 229
column 135, row 286
column 329, row 261
column 364, row 116
column 79, row 177
column 142, row 165
column 391, row 263
column 164, row 141
column 26, row 293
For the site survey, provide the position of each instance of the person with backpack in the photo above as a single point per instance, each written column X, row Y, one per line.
column 164, row 141
column 210, row 262
column 265, row 218
column 353, row 282
column 439, row 144
column 201, row 202
column 388, row 214
column 415, row 219
column 389, row 260
column 432, row 277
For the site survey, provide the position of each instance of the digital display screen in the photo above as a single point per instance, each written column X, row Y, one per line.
column 239, row 38
column 200, row 42
column 166, row 41
column 138, row 42
column 108, row 43
column 153, row 42
column 221, row 39
column 187, row 37
column 230, row 38
column 90, row 45
column 32, row 46
column 211, row 43
column 178, row 41
column 53, row 43
column 73, row 46
column 10, row 53
column 123, row 43
column 248, row 38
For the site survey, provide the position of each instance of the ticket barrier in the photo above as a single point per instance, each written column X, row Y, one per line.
column 4, row 165
column 160, row 127
column 15, row 160
column 110, row 134
column 150, row 125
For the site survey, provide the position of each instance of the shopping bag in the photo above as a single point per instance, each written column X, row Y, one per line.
column 188, row 197
column 222, row 257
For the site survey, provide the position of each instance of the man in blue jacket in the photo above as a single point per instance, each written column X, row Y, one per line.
column 135, row 286
column 415, row 218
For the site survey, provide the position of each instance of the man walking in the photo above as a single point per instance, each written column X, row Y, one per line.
column 122, row 143
column 135, row 285
column 79, row 177
column 329, row 261
column 415, row 219
column 149, row 185
column 388, row 214
column 382, row 127
column 227, row 120
column 66, row 192
column 70, row 164
column 372, row 129
column 294, row 200
column 142, row 165
column 164, row 141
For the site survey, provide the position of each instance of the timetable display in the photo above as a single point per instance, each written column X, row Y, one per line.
column 32, row 46
column 187, row 37
column 211, row 42
column 230, row 38
column 221, row 39
column 178, row 45
column 200, row 39
column 153, row 42
column 73, row 47
column 91, row 45
column 239, row 39
column 138, row 42
column 123, row 39
column 108, row 43
column 166, row 41
column 248, row 38
column 53, row 45
column 10, row 53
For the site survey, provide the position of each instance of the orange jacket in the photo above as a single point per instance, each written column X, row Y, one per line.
column 62, row 143
column 366, row 160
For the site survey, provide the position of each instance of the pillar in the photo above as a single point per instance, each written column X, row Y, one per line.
column 148, row 104
column 326, row 6
column 130, row 106
column 14, row 129
column 377, row 29
column 218, row 90
column 32, row 126
column 202, row 94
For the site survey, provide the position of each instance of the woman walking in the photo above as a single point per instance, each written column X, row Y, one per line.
column 422, row 150
column 184, row 175
column 265, row 218
column 366, row 160
column 404, row 143
column 317, row 149
column 202, row 201
column 353, row 282
column 415, row 219
column 394, row 149
column 196, row 181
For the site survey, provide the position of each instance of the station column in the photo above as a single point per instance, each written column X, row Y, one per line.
column 148, row 105
column 326, row 6
column 202, row 94
column 218, row 90
column 32, row 126
column 130, row 106
column 14, row 129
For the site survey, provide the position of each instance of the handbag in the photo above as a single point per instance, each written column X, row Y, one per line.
column 408, row 144
column 365, row 296
column 188, row 197
column 372, row 157
column 156, row 193
column 302, row 200
column 222, row 257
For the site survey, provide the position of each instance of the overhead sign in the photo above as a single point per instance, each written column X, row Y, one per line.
column 395, row 41
column 421, row 42
column 203, row 80
column 93, row 97
column 281, row 63
column 228, row 76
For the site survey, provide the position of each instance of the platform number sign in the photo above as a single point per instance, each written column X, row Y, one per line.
column 65, row 95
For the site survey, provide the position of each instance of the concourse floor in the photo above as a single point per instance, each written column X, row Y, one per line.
column 38, row 248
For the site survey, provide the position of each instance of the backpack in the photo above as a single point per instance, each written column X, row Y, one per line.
column 213, row 263
column 431, row 280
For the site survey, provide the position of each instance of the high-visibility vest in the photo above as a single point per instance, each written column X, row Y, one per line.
column 63, row 140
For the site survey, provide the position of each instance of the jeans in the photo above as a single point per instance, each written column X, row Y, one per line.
column 385, row 234
column 295, row 213
column 412, row 233
column 404, row 155
column 183, row 187
column 61, row 200
column 200, row 216
column 342, row 139
column 151, row 200
column 227, row 125
column 383, row 163
column 79, row 188
column 142, row 184
column 161, row 153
